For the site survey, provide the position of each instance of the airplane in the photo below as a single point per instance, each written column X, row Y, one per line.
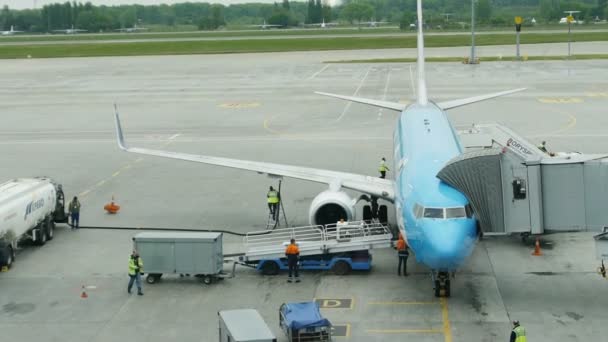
column 70, row 30
column 11, row 32
column 135, row 28
column 323, row 24
column 265, row 26
column 435, row 218
column 374, row 23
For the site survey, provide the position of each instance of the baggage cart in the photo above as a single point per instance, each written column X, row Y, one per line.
column 302, row 322
column 244, row 325
column 195, row 253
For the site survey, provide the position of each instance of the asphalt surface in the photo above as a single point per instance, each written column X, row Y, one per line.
column 57, row 121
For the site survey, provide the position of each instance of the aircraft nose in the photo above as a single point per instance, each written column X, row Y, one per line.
column 449, row 243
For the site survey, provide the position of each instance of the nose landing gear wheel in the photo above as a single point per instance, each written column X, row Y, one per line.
column 442, row 285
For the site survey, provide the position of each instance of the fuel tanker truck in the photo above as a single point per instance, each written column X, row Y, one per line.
column 29, row 209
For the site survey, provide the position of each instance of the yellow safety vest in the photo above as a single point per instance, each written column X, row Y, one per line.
column 133, row 268
column 520, row 334
column 383, row 167
column 273, row 197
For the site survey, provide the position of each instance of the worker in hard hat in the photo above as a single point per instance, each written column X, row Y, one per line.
column 403, row 253
column 136, row 270
column 518, row 334
column 543, row 146
column 292, row 252
column 74, row 210
column 273, row 202
column 383, row 168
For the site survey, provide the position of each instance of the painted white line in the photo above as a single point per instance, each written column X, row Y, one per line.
column 318, row 72
column 174, row 136
column 354, row 94
column 388, row 80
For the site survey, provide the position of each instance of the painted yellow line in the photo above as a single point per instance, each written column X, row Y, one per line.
column 115, row 173
column 100, row 183
column 571, row 123
column 402, row 303
column 404, row 331
column 348, row 329
column 126, row 167
column 84, row 193
column 139, row 160
column 268, row 128
column 447, row 332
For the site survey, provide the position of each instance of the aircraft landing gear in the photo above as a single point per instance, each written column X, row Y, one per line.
column 441, row 283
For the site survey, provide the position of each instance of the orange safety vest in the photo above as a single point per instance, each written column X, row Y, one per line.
column 292, row 249
column 401, row 245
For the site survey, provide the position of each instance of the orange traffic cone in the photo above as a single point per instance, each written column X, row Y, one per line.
column 84, row 293
column 537, row 251
column 112, row 208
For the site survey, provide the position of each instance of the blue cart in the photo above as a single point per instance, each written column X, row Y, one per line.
column 302, row 322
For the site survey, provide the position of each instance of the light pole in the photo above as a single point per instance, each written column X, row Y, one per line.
column 472, row 59
column 570, row 19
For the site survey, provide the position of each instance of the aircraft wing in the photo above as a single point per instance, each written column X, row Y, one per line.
column 376, row 103
column 462, row 102
column 375, row 186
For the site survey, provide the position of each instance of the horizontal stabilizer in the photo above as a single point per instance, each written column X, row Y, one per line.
column 463, row 102
column 376, row 103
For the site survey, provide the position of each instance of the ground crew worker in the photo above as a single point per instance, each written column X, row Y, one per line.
column 403, row 253
column 383, row 168
column 518, row 334
column 543, row 146
column 293, row 252
column 74, row 210
column 136, row 270
column 273, row 201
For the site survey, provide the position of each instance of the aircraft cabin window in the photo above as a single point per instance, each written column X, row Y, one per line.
column 436, row 213
column 455, row 212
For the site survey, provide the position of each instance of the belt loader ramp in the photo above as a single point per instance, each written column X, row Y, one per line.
column 514, row 187
column 336, row 247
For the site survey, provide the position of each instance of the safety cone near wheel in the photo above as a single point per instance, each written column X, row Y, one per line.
column 537, row 251
column 84, row 293
column 112, row 208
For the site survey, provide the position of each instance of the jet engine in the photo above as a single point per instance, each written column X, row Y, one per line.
column 330, row 206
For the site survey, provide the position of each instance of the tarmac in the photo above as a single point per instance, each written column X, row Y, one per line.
column 57, row 121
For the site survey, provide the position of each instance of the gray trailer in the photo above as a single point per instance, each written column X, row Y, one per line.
column 195, row 253
column 244, row 325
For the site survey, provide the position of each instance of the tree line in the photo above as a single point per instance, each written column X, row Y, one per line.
column 207, row 16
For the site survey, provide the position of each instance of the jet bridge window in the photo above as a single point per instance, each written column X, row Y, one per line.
column 436, row 213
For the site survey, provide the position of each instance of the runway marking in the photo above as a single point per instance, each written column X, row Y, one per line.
column 115, row 173
column 402, row 303
column 267, row 126
column 138, row 160
column 100, row 183
column 404, row 331
column 174, row 136
column 354, row 94
column 84, row 193
column 560, row 100
column 388, row 80
column 318, row 72
column 334, row 303
column 447, row 331
column 239, row 105
column 598, row 94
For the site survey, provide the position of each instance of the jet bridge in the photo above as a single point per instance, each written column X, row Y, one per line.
column 514, row 187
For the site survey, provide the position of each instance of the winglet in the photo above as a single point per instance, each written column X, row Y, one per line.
column 422, row 94
column 119, row 137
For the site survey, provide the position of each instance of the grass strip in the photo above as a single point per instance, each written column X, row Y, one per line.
column 272, row 45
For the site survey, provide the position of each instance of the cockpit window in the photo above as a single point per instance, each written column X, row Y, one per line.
column 436, row 213
column 455, row 212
